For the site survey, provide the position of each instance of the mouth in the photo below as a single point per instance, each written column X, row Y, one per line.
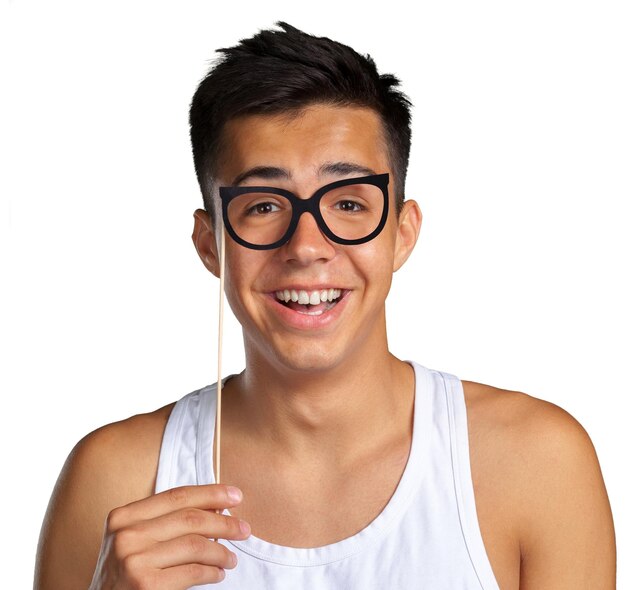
column 313, row 303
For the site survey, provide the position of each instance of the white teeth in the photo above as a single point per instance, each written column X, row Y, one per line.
column 308, row 298
column 317, row 312
column 333, row 294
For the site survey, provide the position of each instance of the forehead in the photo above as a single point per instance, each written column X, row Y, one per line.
column 302, row 141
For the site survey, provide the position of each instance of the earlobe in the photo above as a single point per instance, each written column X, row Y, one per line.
column 409, row 225
column 204, row 240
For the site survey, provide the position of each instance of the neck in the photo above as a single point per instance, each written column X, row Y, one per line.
column 336, row 413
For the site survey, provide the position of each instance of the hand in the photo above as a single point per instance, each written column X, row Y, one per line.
column 166, row 541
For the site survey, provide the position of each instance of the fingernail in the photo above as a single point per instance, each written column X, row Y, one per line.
column 245, row 527
column 234, row 493
column 233, row 559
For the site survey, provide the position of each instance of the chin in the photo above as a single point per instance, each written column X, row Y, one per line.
column 305, row 357
column 309, row 361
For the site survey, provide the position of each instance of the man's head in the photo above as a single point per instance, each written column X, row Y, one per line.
column 341, row 288
column 280, row 73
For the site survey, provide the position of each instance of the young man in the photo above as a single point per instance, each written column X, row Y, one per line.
column 354, row 465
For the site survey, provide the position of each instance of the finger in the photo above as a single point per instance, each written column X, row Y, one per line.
column 183, row 577
column 185, row 550
column 191, row 521
column 211, row 496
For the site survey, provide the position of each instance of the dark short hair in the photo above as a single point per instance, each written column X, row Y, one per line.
column 282, row 72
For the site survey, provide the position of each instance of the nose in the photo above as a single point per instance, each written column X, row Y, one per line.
column 308, row 243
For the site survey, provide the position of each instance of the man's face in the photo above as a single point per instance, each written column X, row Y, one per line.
column 288, row 334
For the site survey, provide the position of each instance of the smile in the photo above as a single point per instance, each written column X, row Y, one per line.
column 311, row 303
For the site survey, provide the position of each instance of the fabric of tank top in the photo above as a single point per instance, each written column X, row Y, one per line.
column 427, row 536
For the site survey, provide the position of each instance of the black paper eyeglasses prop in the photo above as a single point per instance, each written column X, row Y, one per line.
column 349, row 211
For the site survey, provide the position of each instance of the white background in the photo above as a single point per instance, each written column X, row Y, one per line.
column 517, row 162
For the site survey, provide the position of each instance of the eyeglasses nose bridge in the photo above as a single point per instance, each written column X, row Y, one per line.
column 309, row 206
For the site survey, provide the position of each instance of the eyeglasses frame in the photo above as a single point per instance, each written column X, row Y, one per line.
column 310, row 205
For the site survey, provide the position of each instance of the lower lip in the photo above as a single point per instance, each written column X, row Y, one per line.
column 303, row 321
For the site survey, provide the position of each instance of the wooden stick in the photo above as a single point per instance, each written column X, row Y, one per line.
column 218, row 412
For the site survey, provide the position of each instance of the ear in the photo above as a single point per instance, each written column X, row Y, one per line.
column 408, row 230
column 205, row 241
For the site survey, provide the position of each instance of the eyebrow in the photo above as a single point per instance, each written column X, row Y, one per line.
column 276, row 173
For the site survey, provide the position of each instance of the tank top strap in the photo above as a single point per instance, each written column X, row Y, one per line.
column 178, row 458
column 186, row 456
column 463, row 485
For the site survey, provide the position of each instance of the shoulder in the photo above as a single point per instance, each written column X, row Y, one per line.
column 121, row 457
column 520, row 417
column 530, row 430
column 118, row 461
column 538, row 443
column 110, row 467
column 549, row 486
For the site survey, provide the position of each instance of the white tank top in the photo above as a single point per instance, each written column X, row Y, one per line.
column 427, row 536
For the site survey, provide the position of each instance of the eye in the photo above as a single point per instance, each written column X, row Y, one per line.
column 262, row 209
column 349, row 206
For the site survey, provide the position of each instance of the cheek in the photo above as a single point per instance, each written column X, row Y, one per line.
column 375, row 262
column 243, row 267
column 379, row 251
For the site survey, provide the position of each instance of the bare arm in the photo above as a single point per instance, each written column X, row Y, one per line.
column 105, row 530
column 97, row 476
column 567, row 536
